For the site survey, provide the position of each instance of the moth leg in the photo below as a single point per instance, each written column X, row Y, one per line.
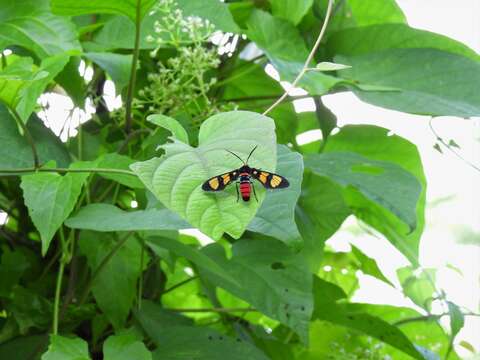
column 254, row 192
column 238, row 193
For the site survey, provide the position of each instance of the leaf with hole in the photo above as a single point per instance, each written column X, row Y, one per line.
column 270, row 277
column 176, row 178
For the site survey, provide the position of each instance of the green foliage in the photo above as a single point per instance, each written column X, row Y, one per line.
column 94, row 257
column 66, row 349
column 176, row 178
column 31, row 25
column 41, row 192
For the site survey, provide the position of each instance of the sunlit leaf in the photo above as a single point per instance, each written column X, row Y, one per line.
column 172, row 125
column 177, row 177
column 65, row 348
column 121, row 7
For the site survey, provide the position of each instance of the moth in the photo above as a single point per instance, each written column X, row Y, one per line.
column 243, row 179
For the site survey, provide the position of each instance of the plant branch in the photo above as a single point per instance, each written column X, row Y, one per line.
column 450, row 148
column 428, row 318
column 13, row 172
column 28, row 136
column 309, row 58
column 133, row 71
column 181, row 283
column 101, row 266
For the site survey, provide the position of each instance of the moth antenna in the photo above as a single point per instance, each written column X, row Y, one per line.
column 251, row 152
column 236, row 156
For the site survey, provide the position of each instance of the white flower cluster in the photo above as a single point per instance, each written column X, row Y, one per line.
column 174, row 29
column 181, row 84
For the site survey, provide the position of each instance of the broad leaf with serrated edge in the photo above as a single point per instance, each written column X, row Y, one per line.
column 66, row 348
column 125, row 347
column 176, row 178
column 50, row 198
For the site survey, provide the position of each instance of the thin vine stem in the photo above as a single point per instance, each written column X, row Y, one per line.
column 181, row 283
column 13, row 172
column 309, row 58
column 472, row 165
column 133, row 70
column 28, row 137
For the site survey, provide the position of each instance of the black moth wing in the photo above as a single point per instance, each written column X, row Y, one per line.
column 270, row 180
column 219, row 182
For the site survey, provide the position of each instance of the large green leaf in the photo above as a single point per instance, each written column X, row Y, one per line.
column 125, row 347
column 30, row 24
column 64, row 348
column 21, row 82
column 121, row 7
column 118, row 32
column 213, row 10
column 118, row 276
column 157, row 243
column 433, row 336
column 177, row 339
column 430, row 81
column 357, row 13
column 418, row 285
column 320, row 212
column 287, row 51
column 350, row 317
column 291, row 10
column 106, row 217
column 177, row 177
column 375, row 143
column 368, row 39
column 116, row 65
column 12, row 265
column 15, row 151
column 50, row 198
column 170, row 124
column 384, row 183
column 276, row 216
column 271, row 278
